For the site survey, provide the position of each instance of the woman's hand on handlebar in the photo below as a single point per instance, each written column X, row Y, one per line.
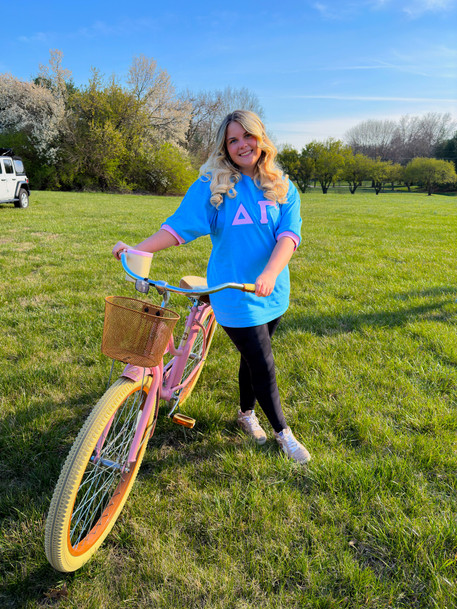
column 265, row 283
column 156, row 242
column 119, row 248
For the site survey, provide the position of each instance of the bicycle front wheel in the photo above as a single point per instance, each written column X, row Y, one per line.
column 198, row 354
column 96, row 478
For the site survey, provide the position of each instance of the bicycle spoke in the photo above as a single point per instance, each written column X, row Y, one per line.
column 92, row 509
column 195, row 355
column 98, row 489
column 100, row 481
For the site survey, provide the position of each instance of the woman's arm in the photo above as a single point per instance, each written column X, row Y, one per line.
column 156, row 242
column 279, row 259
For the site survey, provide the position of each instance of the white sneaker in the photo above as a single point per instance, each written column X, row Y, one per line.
column 291, row 446
column 249, row 422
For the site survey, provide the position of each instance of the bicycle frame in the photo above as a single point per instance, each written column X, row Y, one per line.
column 169, row 388
column 199, row 311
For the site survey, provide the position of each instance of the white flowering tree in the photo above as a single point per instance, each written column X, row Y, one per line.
column 36, row 109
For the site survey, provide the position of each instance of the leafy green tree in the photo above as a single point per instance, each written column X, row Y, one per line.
column 430, row 173
column 357, row 168
column 381, row 172
column 298, row 166
column 119, row 137
column 289, row 160
column 305, row 171
column 396, row 173
column 103, row 126
column 166, row 170
column 329, row 159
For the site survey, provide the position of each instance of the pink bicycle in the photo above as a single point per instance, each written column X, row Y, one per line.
column 103, row 462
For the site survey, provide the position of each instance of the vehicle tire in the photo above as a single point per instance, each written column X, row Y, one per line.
column 89, row 496
column 199, row 351
column 23, row 199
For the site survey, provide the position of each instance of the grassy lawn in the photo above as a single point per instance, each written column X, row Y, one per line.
column 367, row 369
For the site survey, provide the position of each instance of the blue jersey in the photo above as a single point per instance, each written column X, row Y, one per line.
column 244, row 231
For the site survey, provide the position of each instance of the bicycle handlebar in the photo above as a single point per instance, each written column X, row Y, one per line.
column 166, row 287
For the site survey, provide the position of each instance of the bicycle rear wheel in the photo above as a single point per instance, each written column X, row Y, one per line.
column 198, row 354
column 91, row 492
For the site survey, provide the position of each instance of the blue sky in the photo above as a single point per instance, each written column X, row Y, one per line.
column 317, row 67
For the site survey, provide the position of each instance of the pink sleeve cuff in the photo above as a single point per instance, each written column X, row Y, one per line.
column 292, row 236
column 174, row 233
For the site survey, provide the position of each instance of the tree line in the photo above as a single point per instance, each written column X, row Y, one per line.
column 403, row 140
column 333, row 161
column 142, row 135
column 137, row 136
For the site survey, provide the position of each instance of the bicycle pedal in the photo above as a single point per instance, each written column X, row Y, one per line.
column 182, row 419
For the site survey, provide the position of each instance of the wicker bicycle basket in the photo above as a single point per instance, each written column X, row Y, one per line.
column 136, row 332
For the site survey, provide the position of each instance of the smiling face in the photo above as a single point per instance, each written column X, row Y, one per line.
column 242, row 148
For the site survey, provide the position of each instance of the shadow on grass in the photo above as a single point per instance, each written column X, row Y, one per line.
column 44, row 586
column 42, row 451
column 436, row 291
column 329, row 324
column 31, row 481
column 31, row 462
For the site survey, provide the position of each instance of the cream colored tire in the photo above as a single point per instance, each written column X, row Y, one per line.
column 89, row 497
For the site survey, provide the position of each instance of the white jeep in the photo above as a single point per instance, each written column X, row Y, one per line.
column 14, row 184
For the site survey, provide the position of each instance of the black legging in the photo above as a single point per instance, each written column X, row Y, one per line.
column 257, row 377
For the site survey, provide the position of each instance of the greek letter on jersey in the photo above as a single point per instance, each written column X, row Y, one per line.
column 242, row 216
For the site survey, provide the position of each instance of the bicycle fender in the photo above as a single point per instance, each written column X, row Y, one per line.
column 135, row 373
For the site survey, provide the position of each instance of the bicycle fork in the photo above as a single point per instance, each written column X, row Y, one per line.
column 141, row 426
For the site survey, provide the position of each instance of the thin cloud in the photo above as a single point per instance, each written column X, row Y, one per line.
column 410, row 69
column 98, row 29
column 335, row 13
column 419, row 7
column 430, row 60
column 37, row 37
column 374, row 98
column 412, row 8
column 122, row 28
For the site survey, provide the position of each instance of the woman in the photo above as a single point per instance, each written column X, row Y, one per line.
column 252, row 213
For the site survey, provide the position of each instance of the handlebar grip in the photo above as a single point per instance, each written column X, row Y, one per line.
column 249, row 287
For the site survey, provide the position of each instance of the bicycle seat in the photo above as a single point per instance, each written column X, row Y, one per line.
column 191, row 282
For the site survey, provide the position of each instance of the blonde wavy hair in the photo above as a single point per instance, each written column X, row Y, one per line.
column 224, row 174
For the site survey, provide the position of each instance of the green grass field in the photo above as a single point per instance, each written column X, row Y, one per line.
column 367, row 367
